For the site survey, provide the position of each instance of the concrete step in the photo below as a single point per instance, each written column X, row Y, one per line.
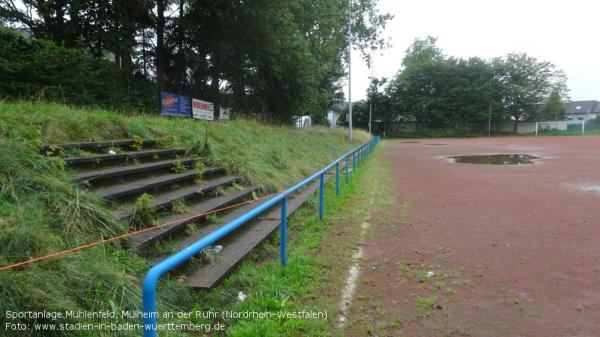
column 165, row 199
column 209, row 228
column 143, row 185
column 242, row 242
column 113, row 172
column 97, row 145
column 74, row 161
column 180, row 221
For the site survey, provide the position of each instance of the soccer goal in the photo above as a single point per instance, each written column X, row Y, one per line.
column 560, row 127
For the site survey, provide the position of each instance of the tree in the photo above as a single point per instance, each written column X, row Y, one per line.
column 439, row 91
column 442, row 92
column 554, row 108
column 276, row 59
column 525, row 85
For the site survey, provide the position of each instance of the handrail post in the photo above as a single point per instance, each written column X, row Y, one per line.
column 353, row 160
column 321, row 194
column 337, row 178
column 347, row 169
column 149, row 305
column 359, row 155
column 362, row 153
column 283, row 232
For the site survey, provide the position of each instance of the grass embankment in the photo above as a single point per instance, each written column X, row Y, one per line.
column 42, row 212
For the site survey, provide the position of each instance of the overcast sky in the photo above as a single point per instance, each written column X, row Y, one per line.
column 565, row 32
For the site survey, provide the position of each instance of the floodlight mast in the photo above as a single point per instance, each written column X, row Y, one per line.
column 371, row 94
column 350, row 69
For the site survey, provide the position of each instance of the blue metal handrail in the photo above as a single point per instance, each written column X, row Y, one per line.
column 150, row 315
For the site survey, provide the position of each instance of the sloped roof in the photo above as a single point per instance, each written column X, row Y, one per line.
column 582, row 107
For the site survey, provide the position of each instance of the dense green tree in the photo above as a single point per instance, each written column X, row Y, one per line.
column 526, row 83
column 273, row 58
column 554, row 109
column 442, row 92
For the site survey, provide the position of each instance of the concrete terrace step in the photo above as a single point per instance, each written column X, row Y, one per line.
column 113, row 172
column 165, row 199
column 240, row 245
column 98, row 145
column 72, row 161
column 242, row 242
column 181, row 221
column 211, row 227
column 143, row 185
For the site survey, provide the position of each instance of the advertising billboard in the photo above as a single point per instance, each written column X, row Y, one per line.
column 203, row 110
column 225, row 114
column 175, row 105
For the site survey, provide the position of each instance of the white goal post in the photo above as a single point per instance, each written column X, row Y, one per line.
column 558, row 126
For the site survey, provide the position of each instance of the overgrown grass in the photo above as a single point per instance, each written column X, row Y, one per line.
column 269, row 156
column 42, row 211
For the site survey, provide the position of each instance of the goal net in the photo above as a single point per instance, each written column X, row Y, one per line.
column 560, row 127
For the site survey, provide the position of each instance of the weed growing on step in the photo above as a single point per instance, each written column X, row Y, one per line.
column 177, row 166
column 138, row 143
column 219, row 191
column 144, row 210
column 236, row 187
column 199, row 173
column 179, row 206
column 212, row 218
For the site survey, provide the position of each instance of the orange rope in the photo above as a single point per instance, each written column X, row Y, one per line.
column 100, row 242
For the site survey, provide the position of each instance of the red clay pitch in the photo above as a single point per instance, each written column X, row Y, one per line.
column 525, row 240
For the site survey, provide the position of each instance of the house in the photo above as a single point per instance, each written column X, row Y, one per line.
column 582, row 110
column 338, row 114
column 338, row 109
column 302, row 122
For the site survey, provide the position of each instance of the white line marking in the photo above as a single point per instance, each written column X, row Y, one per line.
column 350, row 285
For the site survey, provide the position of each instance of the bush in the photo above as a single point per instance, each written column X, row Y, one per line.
column 31, row 68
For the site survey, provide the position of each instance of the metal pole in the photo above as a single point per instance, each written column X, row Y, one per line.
column 350, row 69
column 371, row 98
column 347, row 171
column 337, row 178
column 283, row 232
column 490, row 111
column 321, row 194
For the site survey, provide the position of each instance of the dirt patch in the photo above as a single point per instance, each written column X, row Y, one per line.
column 484, row 250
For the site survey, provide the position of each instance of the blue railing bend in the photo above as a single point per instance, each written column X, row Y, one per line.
column 150, row 315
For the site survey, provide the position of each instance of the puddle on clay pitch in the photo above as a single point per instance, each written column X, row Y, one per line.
column 496, row 159
column 591, row 188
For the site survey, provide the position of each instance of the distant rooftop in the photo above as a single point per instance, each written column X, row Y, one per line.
column 582, row 107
